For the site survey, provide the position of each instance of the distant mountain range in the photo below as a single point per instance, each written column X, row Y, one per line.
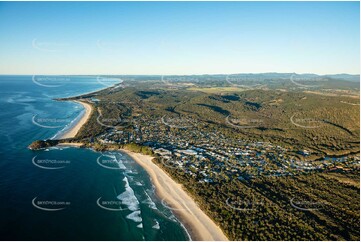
column 345, row 77
column 268, row 75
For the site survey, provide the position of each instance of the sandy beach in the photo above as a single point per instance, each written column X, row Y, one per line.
column 70, row 144
column 74, row 130
column 197, row 223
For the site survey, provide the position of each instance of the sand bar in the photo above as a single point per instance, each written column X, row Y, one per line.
column 197, row 223
column 71, row 133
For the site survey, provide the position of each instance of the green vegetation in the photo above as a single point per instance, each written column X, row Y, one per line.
column 278, row 162
column 216, row 89
column 41, row 144
column 266, row 212
column 324, row 125
column 138, row 148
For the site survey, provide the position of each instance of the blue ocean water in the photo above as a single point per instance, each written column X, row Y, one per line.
column 69, row 193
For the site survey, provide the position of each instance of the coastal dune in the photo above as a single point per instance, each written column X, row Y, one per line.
column 74, row 130
column 197, row 223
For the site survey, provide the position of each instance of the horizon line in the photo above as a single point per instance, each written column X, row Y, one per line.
column 203, row 74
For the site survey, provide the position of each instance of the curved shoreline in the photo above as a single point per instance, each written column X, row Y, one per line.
column 71, row 133
column 198, row 224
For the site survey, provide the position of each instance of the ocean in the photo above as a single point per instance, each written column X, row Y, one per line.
column 67, row 193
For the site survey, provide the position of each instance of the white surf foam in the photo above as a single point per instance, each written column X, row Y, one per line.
column 128, row 197
column 119, row 162
column 150, row 202
column 139, row 184
column 156, row 226
column 135, row 216
column 121, row 165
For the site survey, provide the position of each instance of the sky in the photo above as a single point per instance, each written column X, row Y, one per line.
column 179, row 38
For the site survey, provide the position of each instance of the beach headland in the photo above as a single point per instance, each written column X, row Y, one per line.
column 199, row 226
column 197, row 223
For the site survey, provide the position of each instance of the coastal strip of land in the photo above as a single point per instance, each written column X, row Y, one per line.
column 197, row 223
column 71, row 133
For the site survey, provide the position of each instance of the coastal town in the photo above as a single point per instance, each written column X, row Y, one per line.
column 180, row 121
column 228, row 165
column 179, row 143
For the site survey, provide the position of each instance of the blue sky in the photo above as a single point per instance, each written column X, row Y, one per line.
column 179, row 37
